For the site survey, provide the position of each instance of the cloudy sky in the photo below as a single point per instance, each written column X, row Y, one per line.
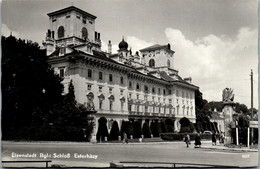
column 215, row 40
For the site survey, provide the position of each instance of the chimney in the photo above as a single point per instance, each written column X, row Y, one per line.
column 109, row 47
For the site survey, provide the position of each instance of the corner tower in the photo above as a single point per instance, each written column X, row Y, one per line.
column 71, row 27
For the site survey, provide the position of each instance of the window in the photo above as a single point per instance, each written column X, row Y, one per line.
column 177, row 101
column 89, row 73
column 130, row 85
column 68, row 16
column 78, row 16
column 89, row 86
column 84, row 33
column 170, row 101
column 151, row 63
column 84, row 20
column 129, row 107
column 110, row 77
column 130, row 95
column 164, row 91
column 100, row 104
column 146, row 109
column 110, row 90
column 122, row 105
column 110, row 104
column 121, row 80
column 159, row 91
column 137, row 107
column 159, row 99
column 62, row 72
column 146, row 89
column 137, row 96
column 145, row 97
column 177, row 93
column 164, row 100
column 170, row 91
column 100, row 76
column 153, row 90
column 100, row 88
column 137, row 86
column 169, row 63
column 164, row 110
column 153, row 98
column 121, row 92
column 61, row 32
column 62, row 50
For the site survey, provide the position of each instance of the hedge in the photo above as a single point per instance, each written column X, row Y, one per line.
column 180, row 136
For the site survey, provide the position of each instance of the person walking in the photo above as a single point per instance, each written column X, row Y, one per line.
column 214, row 139
column 197, row 141
column 187, row 139
column 125, row 139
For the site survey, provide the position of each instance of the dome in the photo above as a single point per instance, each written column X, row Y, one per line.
column 123, row 44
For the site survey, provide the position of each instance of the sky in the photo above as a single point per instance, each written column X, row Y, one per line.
column 215, row 41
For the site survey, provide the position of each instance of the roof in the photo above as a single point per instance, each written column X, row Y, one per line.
column 156, row 46
column 71, row 8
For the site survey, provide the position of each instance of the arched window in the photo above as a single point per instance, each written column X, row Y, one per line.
column 61, row 32
column 84, row 33
column 151, row 63
column 169, row 63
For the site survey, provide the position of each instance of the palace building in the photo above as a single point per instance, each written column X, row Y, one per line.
column 120, row 86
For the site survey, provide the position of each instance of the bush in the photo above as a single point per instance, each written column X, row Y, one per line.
column 130, row 128
column 124, row 128
column 170, row 125
column 114, row 133
column 192, row 128
column 163, row 126
column 137, row 129
column 180, row 136
column 185, row 130
column 146, row 130
column 102, row 129
column 185, row 122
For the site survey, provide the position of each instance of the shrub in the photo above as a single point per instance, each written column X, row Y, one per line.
column 114, row 133
column 130, row 128
column 185, row 130
column 146, row 130
column 180, row 136
column 163, row 126
column 102, row 128
column 124, row 128
column 192, row 128
column 185, row 122
column 170, row 125
column 137, row 129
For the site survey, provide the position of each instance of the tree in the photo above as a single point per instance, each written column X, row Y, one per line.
column 146, row 130
column 30, row 88
column 114, row 133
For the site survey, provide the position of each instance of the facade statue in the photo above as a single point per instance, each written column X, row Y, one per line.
column 227, row 95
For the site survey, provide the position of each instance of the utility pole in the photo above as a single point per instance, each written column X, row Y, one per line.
column 252, row 129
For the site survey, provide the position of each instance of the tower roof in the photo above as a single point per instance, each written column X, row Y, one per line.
column 123, row 44
column 71, row 8
column 156, row 46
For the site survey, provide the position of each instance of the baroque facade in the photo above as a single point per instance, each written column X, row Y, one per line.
column 123, row 86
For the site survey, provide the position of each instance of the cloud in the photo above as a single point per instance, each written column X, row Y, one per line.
column 218, row 62
column 6, row 31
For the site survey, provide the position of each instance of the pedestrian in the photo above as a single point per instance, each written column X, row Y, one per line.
column 214, row 139
column 125, row 139
column 187, row 139
column 197, row 141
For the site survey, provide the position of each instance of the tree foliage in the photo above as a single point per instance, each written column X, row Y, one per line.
column 33, row 107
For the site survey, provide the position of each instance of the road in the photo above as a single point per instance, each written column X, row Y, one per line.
column 100, row 155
